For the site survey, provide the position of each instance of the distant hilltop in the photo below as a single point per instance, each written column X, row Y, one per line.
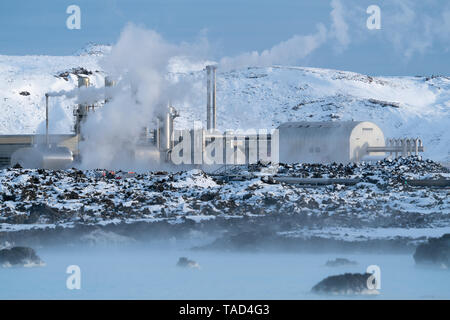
column 94, row 49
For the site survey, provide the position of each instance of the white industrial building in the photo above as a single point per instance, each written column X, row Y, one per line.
column 291, row 142
column 325, row 142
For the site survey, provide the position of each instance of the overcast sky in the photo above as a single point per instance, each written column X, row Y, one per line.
column 414, row 38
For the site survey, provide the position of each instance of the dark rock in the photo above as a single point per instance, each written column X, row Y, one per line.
column 435, row 251
column 208, row 196
column 19, row 256
column 28, row 194
column 72, row 195
column 42, row 213
column 186, row 263
column 339, row 262
column 247, row 196
column 24, row 93
column 76, row 71
column 9, row 197
column 345, row 284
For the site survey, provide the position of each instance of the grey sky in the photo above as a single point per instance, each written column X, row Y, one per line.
column 414, row 38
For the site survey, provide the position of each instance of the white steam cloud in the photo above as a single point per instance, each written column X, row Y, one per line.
column 410, row 27
column 415, row 32
column 141, row 59
column 287, row 52
column 339, row 27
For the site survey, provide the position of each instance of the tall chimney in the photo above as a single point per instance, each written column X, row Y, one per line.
column 81, row 110
column 46, row 120
column 211, row 97
column 214, row 97
column 208, row 97
column 109, row 82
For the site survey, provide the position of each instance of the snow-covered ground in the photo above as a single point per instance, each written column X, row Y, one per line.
column 253, row 97
column 44, row 198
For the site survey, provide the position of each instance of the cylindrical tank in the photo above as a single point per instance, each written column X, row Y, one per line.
column 43, row 157
column 109, row 82
column 326, row 142
column 83, row 82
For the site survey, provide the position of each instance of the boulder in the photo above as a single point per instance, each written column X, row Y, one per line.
column 186, row 263
column 340, row 262
column 435, row 251
column 19, row 256
column 345, row 284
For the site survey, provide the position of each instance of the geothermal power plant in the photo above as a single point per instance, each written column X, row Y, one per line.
column 291, row 142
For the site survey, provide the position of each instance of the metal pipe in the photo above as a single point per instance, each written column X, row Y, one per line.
column 445, row 183
column 391, row 149
column 396, row 144
column 46, row 120
column 214, row 97
column 416, row 146
column 316, row 181
column 109, row 82
column 208, row 97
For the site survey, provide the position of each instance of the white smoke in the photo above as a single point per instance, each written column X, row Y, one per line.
column 290, row 51
column 84, row 95
column 339, row 27
column 414, row 31
column 141, row 59
column 411, row 28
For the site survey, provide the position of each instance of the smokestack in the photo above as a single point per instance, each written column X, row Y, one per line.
column 109, row 82
column 214, row 97
column 46, row 120
column 81, row 111
column 211, row 97
column 208, row 97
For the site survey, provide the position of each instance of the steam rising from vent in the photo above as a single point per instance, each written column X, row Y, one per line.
column 141, row 60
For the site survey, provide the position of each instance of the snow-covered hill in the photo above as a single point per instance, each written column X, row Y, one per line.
column 247, row 98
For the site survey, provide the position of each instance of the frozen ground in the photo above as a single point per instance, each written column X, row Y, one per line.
column 252, row 209
column 253, row 97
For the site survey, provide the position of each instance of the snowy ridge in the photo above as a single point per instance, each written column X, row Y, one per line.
column 33, row 76
column 94, row 49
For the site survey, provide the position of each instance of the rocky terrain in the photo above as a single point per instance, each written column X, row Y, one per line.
column 245, row 208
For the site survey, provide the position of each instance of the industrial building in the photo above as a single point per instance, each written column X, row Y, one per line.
column 291, row 142
column 325, row 142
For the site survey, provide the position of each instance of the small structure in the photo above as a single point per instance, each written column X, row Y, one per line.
column 325, row 142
